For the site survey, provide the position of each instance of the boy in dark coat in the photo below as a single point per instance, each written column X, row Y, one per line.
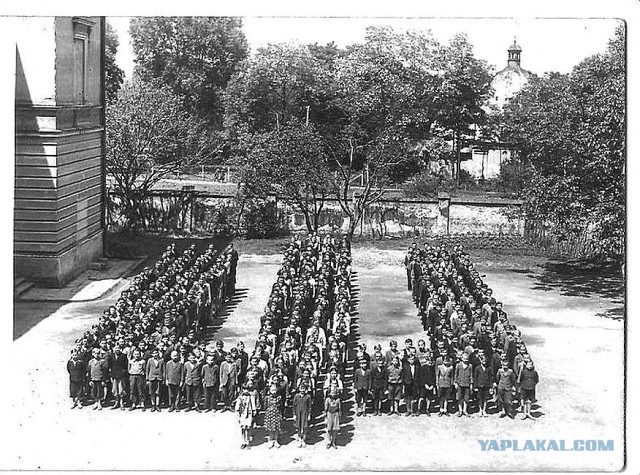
column 362, row 385
column 77, row 370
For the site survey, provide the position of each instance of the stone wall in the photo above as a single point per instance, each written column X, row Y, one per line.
column 428, row 218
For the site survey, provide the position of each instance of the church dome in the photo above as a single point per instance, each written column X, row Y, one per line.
column 508, row 82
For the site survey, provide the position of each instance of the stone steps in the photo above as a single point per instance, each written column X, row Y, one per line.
column 20, row 286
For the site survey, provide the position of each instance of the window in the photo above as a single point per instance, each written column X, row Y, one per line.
column 81, row 32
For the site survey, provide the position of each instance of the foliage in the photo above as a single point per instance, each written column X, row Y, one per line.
column 385, row 89
column 571, row 131
column 277, row 85
column 289, row 162
column 463, row 91
column 114, row 76
column 260, row 220
column 149, row 135
column 194, row 56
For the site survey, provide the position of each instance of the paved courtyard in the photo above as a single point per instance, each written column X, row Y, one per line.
column 578, row 353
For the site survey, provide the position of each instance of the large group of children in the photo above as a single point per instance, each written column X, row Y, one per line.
column 303, row 334
column 470, row 352
column 147, row 350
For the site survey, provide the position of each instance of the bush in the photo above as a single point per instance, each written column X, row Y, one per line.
column 260, row 220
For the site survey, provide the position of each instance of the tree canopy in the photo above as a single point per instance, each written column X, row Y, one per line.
column 149, row 135
column 194, row 56
column 570, row 129
column 114, row 76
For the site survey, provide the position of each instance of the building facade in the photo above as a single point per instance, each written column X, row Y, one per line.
column 483, row 159
column 59, row 147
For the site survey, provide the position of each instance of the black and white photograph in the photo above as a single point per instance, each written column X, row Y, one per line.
column 270, row 240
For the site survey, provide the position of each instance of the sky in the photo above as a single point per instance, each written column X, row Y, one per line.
column 547, row 44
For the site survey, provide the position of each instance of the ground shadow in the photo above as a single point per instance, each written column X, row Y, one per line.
column 27, row 315
column 583, row 278
column 219, row 319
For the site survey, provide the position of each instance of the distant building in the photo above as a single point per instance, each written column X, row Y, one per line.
column 483, row 160
column 59, row 147
column 508, row 82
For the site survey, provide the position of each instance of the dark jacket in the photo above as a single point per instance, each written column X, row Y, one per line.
column 155, row 369
column 407, row 376
column 210, row 375
column 379, row 377
column 174, row 372
column 482, row 377
column 119, row 366
column 528, row 378
column 362, row 379
column 77, row 371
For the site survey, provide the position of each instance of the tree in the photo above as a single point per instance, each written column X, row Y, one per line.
column 278, row 84
column 194, row 56
column 289, row 162
column 384, row 90
column 463, row 91
column 149, row 135
column 114, row 76
column 571, row 132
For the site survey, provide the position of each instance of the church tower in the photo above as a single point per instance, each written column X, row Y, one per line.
column 514, row 54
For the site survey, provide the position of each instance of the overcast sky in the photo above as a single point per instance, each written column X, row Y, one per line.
column 547, row 44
